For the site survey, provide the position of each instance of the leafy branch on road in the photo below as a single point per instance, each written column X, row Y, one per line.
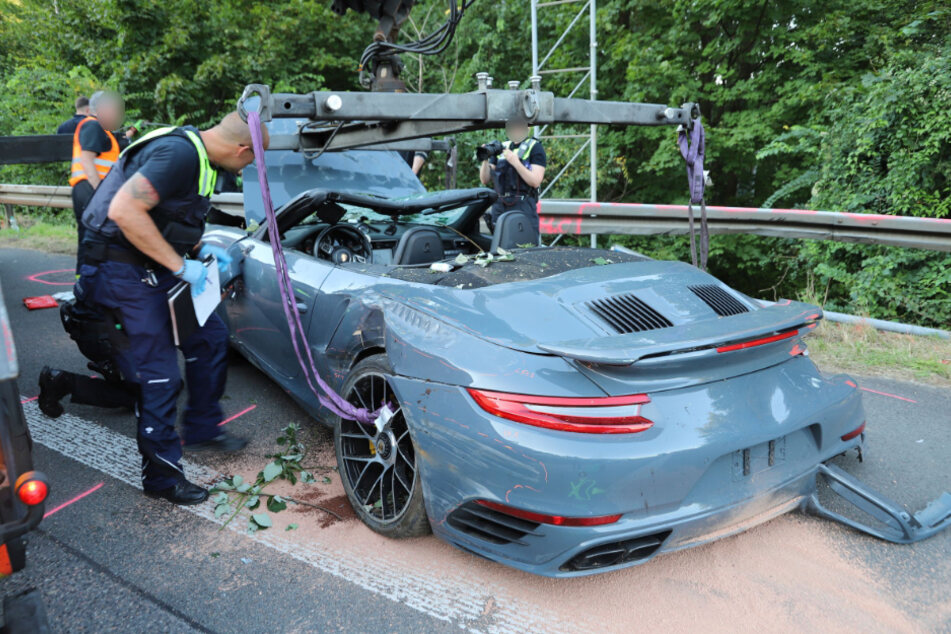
column 233, row 495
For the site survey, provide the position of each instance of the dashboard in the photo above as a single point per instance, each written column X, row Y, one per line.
column 383, row 237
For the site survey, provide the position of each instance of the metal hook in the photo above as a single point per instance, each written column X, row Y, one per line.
column 264, row 110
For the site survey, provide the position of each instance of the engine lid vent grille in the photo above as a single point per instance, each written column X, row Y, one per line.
column 494, row 527
column 723, row 303
column 627, row 313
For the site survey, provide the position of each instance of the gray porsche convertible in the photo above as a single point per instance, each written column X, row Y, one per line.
column 562, row 410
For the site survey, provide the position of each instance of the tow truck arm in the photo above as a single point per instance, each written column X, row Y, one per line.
column 343, row 120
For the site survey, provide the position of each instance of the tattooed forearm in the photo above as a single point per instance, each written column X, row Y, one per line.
column 129, row 209
column 139, row 188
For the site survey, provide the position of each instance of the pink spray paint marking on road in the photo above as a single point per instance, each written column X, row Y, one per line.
column 27, row 400
column 901, row 398
column 36, row 277
column 241, row 413
column 74, row 500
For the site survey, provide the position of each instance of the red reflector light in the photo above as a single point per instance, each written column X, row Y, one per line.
column 855, row 432
column 31, row 488
column 587, row 415
column 789, row 334
column 6, row 566
column 556, row 520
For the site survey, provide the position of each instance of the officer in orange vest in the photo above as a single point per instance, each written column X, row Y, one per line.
column 95, row 149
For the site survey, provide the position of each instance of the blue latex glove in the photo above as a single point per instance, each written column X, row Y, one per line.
column 224, row 260
column 194, row 272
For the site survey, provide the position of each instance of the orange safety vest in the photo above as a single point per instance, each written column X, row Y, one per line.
column 103, row 161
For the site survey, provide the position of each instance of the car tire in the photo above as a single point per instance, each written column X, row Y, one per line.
column 378, row 469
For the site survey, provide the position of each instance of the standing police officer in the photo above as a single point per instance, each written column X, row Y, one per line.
column 95, row 150
column 143, row 222
column 516, row 173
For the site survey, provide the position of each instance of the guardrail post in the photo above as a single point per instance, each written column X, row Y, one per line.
column 11, row 219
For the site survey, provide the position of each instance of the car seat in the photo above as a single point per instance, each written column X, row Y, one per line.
column 419, row 245
column 512, row 229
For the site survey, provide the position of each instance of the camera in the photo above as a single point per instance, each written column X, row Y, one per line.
column 490, row 149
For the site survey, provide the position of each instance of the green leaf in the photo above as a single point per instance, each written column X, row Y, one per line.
column 307, row 477
column 262, row 519
column 276, row 504
column 221, row 509
column 215, row 555
column 221, row 498
column 461, row 258
column 326, row 480
column 244, row 488
column 253, row 502
column 602, row 261
column 290, row 527
column 236, row 481
column 501, row 251
column 271, row 471
column 224, row 485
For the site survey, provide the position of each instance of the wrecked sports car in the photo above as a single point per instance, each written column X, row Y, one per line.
column 561, row 410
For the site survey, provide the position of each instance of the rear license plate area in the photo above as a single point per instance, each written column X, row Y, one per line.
column 759, row 458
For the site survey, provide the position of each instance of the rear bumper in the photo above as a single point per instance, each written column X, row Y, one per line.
column 593, row 551
column 721, row 457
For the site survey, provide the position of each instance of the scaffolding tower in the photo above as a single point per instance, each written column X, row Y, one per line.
column 589, row 76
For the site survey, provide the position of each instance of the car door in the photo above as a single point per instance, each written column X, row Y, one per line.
column 258, row 321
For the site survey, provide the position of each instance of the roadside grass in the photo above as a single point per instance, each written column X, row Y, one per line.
column 861, row 349
column 43, row 232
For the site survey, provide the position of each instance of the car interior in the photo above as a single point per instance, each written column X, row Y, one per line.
column 402, row 238
column 346, row 228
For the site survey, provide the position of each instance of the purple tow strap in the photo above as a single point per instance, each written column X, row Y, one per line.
column 327, row 396
column 693, row 149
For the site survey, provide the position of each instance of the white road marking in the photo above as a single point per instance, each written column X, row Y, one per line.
column 448, row 597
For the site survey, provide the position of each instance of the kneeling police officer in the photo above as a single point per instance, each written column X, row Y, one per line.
column 516, row 168
column 143, row 222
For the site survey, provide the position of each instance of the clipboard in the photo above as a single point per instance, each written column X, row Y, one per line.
column 188, row 312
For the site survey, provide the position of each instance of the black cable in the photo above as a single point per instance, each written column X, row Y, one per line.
column 327, row 142
column 432, row 44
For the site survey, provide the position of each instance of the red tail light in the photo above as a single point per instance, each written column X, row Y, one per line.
column 590, row 415
column 541, row 518
column 789, row 334
column 31, row 488
column 855, row 432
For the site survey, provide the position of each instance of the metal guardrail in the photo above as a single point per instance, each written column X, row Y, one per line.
column 61, row 197
column 576, row 218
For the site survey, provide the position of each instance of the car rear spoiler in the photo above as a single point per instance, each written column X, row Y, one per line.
column 761, row 326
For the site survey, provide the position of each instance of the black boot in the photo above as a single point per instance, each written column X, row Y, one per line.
column 223, row 442
column 184, row 493
column 54, row 385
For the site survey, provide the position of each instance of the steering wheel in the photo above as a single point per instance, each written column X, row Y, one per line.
column 342, row 244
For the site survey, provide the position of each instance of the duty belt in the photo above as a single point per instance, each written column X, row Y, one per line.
column 100, row 252
column 518, row 196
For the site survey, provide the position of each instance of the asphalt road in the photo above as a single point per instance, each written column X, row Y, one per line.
column 114, row 560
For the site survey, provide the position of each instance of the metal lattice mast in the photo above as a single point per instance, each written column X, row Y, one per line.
column 590, row 75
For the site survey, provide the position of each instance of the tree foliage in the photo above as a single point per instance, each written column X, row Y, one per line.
column 831, row 104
